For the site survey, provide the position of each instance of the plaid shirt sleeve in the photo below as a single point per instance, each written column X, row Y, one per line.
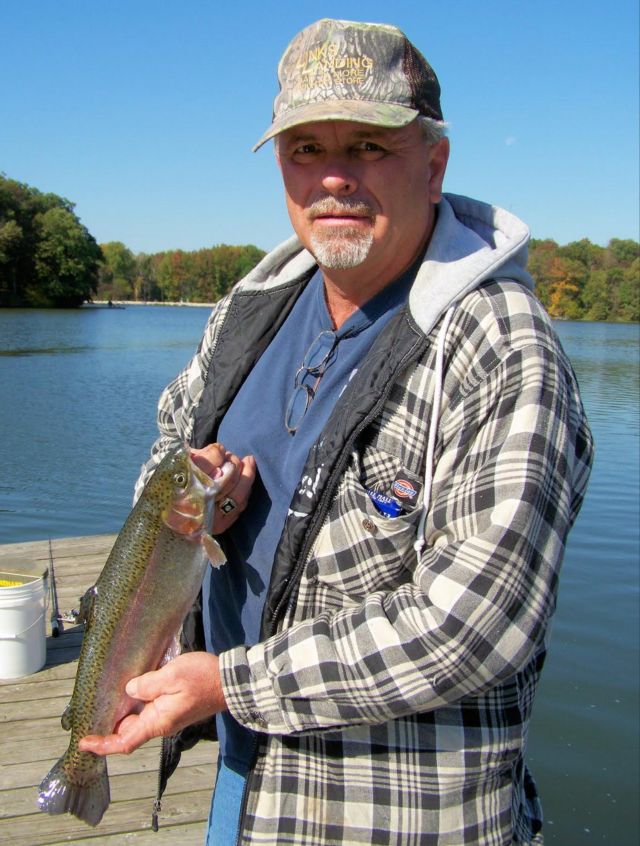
column 512, row 463
column 180, row 398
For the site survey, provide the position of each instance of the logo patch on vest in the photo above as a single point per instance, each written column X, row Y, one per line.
column 406, row 490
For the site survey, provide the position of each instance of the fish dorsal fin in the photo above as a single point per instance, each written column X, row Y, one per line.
column 67, row 716
column 86, row 607
column 214, row 553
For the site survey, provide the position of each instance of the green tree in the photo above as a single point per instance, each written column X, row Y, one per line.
column 622, row 252
column 47, row 257
column 629, row 293
column 591, row 256
column 596, row 296
column 66, row 261
column 249, row 258
column 11, row 237
column 143, row 283
column 118, row 273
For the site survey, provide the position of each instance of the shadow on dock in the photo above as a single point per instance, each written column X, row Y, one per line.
column 66, row 647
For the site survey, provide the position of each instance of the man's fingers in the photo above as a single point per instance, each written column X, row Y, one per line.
column 239, row 493
column 232, row 479
column 211, row 458
column 113, row 744
column 132, row 733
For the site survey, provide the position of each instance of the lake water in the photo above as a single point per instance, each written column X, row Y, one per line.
column 77, row 416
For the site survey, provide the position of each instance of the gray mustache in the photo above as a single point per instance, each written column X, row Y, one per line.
column 329, row 205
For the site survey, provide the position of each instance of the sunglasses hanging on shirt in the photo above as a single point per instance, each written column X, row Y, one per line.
column 314, row 362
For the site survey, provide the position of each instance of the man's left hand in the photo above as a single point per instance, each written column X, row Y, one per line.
column 183, row 692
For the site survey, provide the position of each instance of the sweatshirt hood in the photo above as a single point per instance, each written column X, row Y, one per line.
column 472, row 242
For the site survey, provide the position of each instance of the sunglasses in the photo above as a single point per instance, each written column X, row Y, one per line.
column 314, row 362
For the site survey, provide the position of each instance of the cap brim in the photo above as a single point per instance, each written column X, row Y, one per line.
column 389, row 115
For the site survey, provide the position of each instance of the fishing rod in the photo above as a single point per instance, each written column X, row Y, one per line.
column 55, row 629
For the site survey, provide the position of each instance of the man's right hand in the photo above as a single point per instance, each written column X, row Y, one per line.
column 238, row 486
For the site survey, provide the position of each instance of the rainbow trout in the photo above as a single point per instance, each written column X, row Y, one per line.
column 131, row 615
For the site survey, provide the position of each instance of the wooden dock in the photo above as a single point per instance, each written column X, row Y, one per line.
column 32, row 739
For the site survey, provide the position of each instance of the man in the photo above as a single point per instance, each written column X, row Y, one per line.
column 421, row 454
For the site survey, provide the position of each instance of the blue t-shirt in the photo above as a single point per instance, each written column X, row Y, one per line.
column 254, row 425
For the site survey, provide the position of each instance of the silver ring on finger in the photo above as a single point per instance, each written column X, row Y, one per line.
column 227, row 505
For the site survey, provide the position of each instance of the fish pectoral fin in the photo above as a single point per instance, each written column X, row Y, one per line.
column 86, row 607
column 172, row 651
column 67, row 716
column 214, row 553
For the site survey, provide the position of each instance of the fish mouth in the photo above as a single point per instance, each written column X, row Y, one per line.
column 210, row 485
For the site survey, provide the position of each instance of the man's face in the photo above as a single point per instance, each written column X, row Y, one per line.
column 361, row 196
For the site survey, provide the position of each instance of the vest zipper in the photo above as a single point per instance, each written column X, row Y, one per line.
column 245, row 790
column 157, row 803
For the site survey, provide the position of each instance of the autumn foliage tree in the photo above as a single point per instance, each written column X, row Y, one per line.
column 584, row 281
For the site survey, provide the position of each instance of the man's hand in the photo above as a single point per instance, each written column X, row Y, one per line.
column 184, row 691
column 238, row 486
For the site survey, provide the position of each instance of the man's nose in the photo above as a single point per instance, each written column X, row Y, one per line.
column 339, row 180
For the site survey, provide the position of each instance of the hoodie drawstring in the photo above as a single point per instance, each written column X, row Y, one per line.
column 433, row 430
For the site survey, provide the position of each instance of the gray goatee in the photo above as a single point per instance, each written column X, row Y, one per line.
column 341, row 247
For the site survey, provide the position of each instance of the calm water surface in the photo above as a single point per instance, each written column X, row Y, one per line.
column 77, row 416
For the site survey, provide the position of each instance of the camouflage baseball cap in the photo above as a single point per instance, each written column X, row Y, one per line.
column 365, row 72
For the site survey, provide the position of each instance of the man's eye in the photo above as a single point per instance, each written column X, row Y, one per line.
column 370, row 151
column 305, row 151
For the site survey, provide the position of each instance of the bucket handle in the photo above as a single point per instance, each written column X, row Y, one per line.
column 16, row 636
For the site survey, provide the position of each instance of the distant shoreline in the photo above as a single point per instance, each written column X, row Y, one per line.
column 126, row 303
column 147, row 302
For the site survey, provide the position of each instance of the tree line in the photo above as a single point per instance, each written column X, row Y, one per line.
column 199, row 276
column 48, row 258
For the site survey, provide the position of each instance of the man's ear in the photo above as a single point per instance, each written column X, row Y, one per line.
column 438, row 157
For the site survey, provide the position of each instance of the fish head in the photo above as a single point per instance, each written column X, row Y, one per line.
column 185, row 494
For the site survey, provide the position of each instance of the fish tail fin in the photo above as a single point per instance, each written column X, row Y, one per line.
column 81, row 790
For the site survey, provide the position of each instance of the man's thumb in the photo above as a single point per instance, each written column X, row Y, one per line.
column 146, row 687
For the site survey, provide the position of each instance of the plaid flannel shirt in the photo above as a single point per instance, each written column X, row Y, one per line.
column 391, row 704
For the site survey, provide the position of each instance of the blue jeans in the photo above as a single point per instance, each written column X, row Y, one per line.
column 224, row 816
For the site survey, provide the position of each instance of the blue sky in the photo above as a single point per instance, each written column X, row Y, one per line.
column 144, row 113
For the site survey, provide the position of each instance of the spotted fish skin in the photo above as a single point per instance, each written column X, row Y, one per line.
column 132, row 613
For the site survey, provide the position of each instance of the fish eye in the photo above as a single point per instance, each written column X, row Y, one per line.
column 180, row 479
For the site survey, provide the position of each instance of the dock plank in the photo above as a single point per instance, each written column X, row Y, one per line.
column 174, row 835
column 24, row 773
column 121, row 818
column 32, row 739
column 139, row 785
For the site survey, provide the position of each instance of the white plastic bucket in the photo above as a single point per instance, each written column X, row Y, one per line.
column 23, row 643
